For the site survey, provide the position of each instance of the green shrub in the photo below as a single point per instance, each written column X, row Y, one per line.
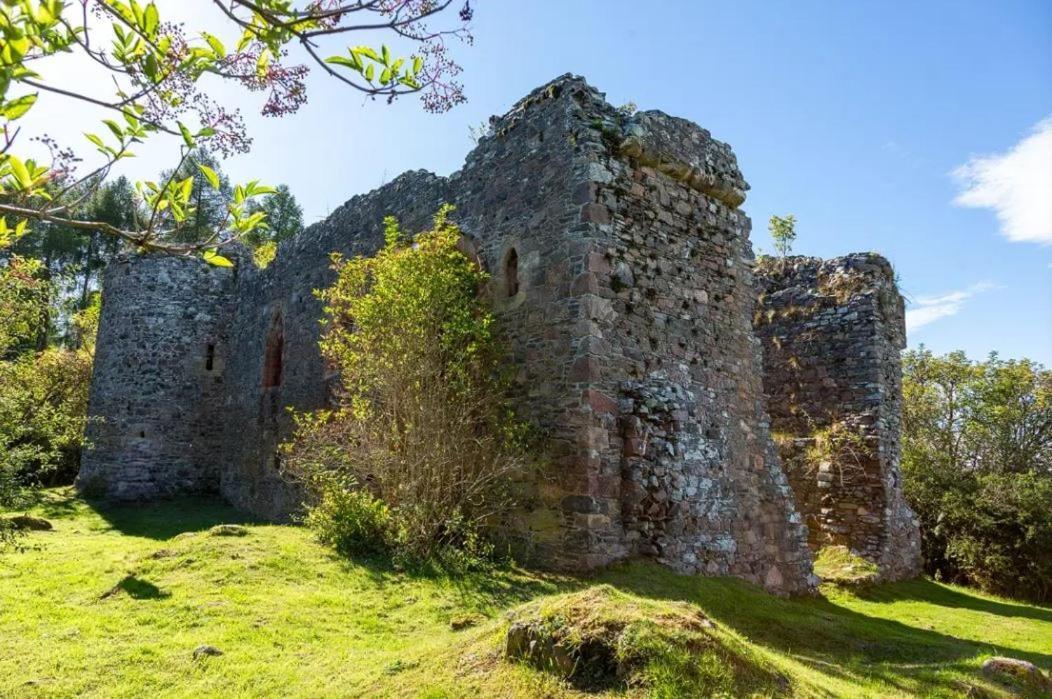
column 350, row 520
column 421, row 413
column 43, row 411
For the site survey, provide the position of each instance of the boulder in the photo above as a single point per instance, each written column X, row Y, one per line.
column 1021, row 671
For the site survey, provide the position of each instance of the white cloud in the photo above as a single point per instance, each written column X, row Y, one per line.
column 931, row 308
column 1017, row 185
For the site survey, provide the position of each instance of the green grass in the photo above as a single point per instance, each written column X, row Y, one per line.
column 836, row 564
column 114, row 602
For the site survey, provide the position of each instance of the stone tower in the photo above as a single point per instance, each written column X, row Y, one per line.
column 622, row 278
column 832, row 331
column 157, row 387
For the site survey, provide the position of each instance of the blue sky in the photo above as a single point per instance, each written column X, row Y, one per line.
column 851, row 115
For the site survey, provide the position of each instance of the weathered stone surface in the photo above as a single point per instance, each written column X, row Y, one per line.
column 622, row 280
column 205, row 651
column 156, row 426
column 1022, row 671
column 832, row 331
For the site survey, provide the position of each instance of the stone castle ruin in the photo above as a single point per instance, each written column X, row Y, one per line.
column 623, row 279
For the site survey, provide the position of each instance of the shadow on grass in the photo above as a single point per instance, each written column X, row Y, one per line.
column 944, row 596
column 164, row 519
column 486, row 589
column 137, row 588
column 832, row 639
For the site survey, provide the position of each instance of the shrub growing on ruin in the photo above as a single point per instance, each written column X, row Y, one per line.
column 783, row 233
column 420, row 419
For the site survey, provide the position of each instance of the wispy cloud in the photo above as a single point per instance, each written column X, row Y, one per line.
column 1016, row 184
column 928, row 309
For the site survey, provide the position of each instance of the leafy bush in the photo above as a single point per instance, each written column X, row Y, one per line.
column 350, row 520
column 43, row 410
column 977, row 466
column 420, row 416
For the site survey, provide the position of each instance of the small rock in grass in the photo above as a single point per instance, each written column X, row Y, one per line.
column 206, row 650
column 464, row 621
column 1021, row 670
column 25, row 522
column 228, row 530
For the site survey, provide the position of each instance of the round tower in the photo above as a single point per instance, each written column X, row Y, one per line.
column 156, row 392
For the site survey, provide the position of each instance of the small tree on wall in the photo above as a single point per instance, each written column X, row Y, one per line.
column 783, row 233
column 421, row 446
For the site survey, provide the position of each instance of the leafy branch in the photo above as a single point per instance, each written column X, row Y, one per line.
column 155, row 67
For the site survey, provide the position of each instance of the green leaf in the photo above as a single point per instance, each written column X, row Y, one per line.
column 342, row 61
column 365, row 51
column 188, row 138
column 151, row 19
column 263, row 62
column 115, row 128
column 418, row 63
column 214, row 258
column 216, row 44
column 386, row 55
column 18, row 169
column 369, row 72
column 210, row 175
column 21, row 174
column 19, row 106
column 385, row 76
column 151, row 67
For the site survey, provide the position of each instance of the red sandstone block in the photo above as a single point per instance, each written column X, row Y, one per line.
column 599, row 402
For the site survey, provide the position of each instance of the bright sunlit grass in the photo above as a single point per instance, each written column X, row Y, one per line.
column 114, row 603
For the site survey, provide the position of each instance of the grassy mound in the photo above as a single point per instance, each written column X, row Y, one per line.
column 146, row 601
column 603, row 639
column 838, row 565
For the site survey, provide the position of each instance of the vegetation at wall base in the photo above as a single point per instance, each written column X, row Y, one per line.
column 420, row 447
column 114, row 602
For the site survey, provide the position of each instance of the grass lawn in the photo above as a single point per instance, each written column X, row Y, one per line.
column 114, row 603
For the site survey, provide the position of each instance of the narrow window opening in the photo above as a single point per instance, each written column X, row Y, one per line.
column 142, row 435
column 272, row 360
column 511, row 272
column 210, row 357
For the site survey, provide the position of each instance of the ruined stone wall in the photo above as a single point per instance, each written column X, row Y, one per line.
column 276, row 317
column 158, row 382
column 621, row 279
column 703, row 490
column 832, row 332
